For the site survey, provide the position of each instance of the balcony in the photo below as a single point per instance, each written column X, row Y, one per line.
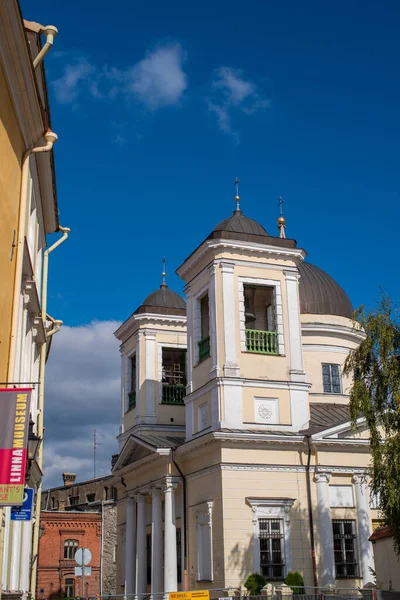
column 204, row 348
column 262, row 342
column 131, row 400
column 173, row 394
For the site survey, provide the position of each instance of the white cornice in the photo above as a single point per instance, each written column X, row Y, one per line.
column 235, row 245
column 326, row 348
column 343, row 331
column 130, row 326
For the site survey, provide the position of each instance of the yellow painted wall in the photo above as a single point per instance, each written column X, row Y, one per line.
column 11, row 151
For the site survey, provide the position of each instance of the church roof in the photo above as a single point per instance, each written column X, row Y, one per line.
column 163, row 301
column 320, row 294
column 238, row 223
column 324, row 415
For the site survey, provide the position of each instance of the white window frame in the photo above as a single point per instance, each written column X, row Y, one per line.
column 271, row 508
column 128, row 375
column 204, row 519
column 274, row 283
column 330, row 375
column 160, row 347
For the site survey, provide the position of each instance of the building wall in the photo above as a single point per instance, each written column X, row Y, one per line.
column 11, row 151
column 53, row 568
column 387, row 565
column 109, row 548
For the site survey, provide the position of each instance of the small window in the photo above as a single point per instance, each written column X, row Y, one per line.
column 204, row 342
column 272, row 549
column 344, row 545
column 331, row 379
column 173, row 375
column 73, row 500
column 91, row 498
column 69, row 588
column 70, row 547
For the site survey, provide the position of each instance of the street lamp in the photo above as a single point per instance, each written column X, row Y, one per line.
column 33, row 441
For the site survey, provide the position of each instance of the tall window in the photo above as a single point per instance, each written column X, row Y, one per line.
column 69, row 588
column 132, row 391
column 204, row 343
column 173, row 375
column 70, row 547
column 344, row 545
column 272, row 550
column 331, row 379
column 260, row 321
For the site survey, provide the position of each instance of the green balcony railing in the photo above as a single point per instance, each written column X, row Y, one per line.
column 131, row 400
column 173, row 394
column 204, row 348
column 263, row 342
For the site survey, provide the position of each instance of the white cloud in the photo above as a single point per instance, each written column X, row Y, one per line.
column 156, row 81
column 67, row 87
column 82, row 394
column 231, row 91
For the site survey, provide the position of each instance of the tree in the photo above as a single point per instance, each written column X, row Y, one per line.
column 255, row 583
column 375, row 394
column 296, row 582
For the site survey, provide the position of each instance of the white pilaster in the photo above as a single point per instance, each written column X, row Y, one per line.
column 170, row 562
column 15, row 554
column 156, row 543
column 123, row 389
column 233, row 403
column 212, row 303
column 25, row 556
column 150, row 375
column 141, row 546
column 130, row 546
column 327, row 558
column 189, row 326
column 364, row 527
column 231, row 367
column 296, row 372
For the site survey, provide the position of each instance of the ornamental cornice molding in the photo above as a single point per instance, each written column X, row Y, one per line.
column 353, row 334
column 130, row 326
column 242, row 247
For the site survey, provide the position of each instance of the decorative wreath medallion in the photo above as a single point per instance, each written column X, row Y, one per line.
column 264, row 412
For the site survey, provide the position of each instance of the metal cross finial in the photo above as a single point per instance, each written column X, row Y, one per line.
column 164, row 274
column 237, row 185
column 280, row 204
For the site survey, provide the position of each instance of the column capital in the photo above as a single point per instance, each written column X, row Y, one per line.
column 360, row 478
column 322, row 477
column 155, row 491
column 149, row 335
column 292, row 275
column 227, row 267
column 140, row 498
column 130, row 500
column 169, row 485
column 212, row 269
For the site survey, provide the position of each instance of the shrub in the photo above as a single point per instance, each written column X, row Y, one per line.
column 255, row 583
column 296, row 582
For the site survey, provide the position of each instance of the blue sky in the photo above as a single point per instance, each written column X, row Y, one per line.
column 158, row 106
column 145, row 167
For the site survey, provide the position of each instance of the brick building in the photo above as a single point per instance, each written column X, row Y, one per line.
column 77, row 515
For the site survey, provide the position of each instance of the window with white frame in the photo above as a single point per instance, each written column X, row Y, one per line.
column 204, row 342
column 331, row 379
column 272, row 548
column 344, row 545
column 131, row 382
column 204, row 542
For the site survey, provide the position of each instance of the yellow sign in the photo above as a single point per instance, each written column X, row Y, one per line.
column 195, row 595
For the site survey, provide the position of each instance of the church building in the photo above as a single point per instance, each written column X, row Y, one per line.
column 236, row 453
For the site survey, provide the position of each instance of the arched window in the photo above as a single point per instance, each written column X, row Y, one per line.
column 69, row 587
column 70, row 547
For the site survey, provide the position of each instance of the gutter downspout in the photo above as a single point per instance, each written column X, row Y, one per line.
column 185, row 570
column 50, row 32
column 310, row 513
column 39, row 421
column 51, row 139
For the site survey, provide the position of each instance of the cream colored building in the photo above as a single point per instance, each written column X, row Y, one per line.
column 227, row 465
column 28, row 213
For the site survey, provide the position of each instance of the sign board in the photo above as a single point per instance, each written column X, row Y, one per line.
column 14, row 424
column 24, row 512
column 86, row 571
column 83, row 556
column 195, row 595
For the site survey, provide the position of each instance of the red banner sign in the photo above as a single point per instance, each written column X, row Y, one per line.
column 14, row 425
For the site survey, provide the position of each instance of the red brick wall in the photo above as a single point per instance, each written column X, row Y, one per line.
column 53, row 569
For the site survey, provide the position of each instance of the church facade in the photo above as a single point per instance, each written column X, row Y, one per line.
column 236, row 453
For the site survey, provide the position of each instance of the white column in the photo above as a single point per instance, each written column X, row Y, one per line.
column 327, row 559
column 141, row 546
column 130, row 546
column 293, row 306
column 230, row 304
column 15, row 554
column 156, row 543
column 170, row 563
column 6, row 552
column 150, row 371
column 364, row 527
column 212, row 303
column 26, row 556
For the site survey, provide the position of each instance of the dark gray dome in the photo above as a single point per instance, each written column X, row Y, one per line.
column 238, row 223
column 163, row 301
column 320, row 294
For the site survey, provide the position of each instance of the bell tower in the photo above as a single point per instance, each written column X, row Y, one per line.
column 245, row 360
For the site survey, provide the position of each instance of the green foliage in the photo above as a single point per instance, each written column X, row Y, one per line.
column 375, row 394
column 296, row 582
column 255, row 583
